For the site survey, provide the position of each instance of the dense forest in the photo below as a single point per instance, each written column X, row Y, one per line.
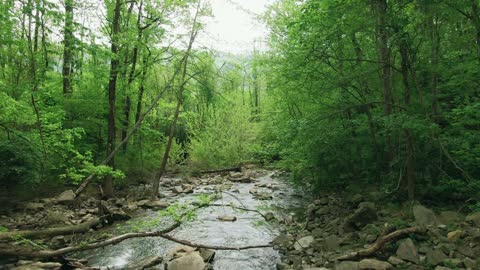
column 376, row 92
column 346, row 95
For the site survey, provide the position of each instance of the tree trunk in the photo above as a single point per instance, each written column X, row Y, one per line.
column 386, row 73
column 405, row 67
column 183, row 81
column 68, row 42
column 114, row 65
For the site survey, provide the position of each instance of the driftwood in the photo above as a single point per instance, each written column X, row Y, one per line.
column 233, row 169
column 46, row 233
column 381, row 241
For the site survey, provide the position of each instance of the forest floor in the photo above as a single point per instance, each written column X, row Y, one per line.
column 334, row 230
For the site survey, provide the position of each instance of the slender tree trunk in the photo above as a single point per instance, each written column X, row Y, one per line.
column 114, row 65
column 476, row 23
column 386, row 73
column 405, row 67
column 183, row 81
column 68, row 41
column 435, row 39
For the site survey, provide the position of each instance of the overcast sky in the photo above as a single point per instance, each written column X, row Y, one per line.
column 234, row 28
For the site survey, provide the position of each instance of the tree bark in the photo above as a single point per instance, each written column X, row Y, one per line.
column 386, row 73
column 183, row 81
column 112, row 84
column 68, row 42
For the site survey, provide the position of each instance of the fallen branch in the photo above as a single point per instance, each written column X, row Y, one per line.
column 241, row 208
column 234, row 169
column 24, row 252
column 381, row 241
column 47, row 233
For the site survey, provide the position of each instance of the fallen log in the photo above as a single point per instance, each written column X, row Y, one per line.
column 27, row 252
column 233, row 169
column 51, row 232
column 381, row 241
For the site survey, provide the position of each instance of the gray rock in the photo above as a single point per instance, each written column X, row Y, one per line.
column 448, row 217
column 435, row 257
column 454, row 262
column 424, row 216
column 283, row 266
column 332, row 242
column 156, row 204
column 347, row 265
column 303, row 242
column 282, row 240
column 395, row 261
column 470, row 263
column 190, row 261
column 66, row 197
column 474, row 218
column 408, row 251
column 366, row 213
column 207, row 254
column 442, row 268
column 374, row 264
column 39, row 266
column 34, row 206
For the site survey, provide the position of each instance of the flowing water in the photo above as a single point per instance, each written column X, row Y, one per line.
column 250, row 228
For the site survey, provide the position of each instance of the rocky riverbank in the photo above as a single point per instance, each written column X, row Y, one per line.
column 338, row 226
column 334, row 231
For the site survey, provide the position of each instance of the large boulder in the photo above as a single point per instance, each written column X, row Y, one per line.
column 424, row 216
column 365, row 214
column 184, row 258
column 407, row 251
column 189, row 261
column 303, row 242
column 435, row 257
column 66, row 197
column 347, row 265
column 474, row 218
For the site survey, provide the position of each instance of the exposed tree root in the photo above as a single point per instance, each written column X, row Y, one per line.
column 381, row 241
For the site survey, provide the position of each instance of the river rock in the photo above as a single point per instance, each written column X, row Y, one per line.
column 470, row 263
column 190, row 261
column 347, row 265
column 34, row 206
column 332, row 242
column 454, row 236
column 435, row 257
column 424, row 216
column 207, row 254
column 66, row 197
column 177, row 189
column 303, row 242
column 365, row 214
column 474, row 218
column 395, row 260
column 408, row 251
column 448, row 217
column 282, row 240
column 156, row 204
column 227, row 218
column 374, row 264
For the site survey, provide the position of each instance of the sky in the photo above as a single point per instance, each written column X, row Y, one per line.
column 233, row 27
